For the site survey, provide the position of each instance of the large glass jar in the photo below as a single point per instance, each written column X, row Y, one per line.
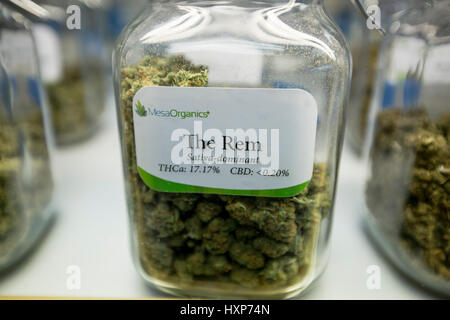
column 74, row 56
column 408, row 187
column 26, row 184
column 231, row 116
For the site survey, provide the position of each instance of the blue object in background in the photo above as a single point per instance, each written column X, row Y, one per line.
column 389, row 95
column 5, row 91
column 411, row 93
column 284, row 85
column 56, row 26
column 115, row 20
column 344, row 20
column 34, row 90
column 13, row 81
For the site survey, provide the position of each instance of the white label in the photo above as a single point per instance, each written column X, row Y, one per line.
column 16, row 48
column 49, row 51
column 225, row 140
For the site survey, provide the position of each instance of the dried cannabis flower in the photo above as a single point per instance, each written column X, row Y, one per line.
column 22, row 199
column 74, row 109
column 409, row 192
column 9, row 169
column 249, row 241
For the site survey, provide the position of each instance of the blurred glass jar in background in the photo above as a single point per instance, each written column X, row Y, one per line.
column 26, row 184
column 74, row 63
column 119, row 14
column 408, row 145
column 364, row 45
column 231, row 64
column 365, row 41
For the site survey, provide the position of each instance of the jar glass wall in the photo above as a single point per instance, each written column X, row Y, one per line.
column 227, row 56
column 407, row 191
column 365, row 38
column 364, row 44
column 26, row 184
column 74, row 57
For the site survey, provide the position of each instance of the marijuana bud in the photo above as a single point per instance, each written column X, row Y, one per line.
column 246, row 255
column 408, row 192
column 207, row 210
column 73, row 116
column 270, row 248
column 216, row 237
column 164, row 220
column 22, row 201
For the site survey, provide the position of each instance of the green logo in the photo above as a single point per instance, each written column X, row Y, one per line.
column 140, row 109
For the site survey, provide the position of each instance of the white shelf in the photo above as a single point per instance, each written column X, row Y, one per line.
column 92, row 232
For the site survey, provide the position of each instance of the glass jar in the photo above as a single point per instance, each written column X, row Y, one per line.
column 365, row 40
column 383, row 13
column 365, row 58
column 364, row 45
column 231, row 116
column 408, row 187
column 74, row 59
column 26, row 184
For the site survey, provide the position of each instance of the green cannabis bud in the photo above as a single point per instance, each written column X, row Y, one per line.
column 9, row 170
column 22, row 198
column 251, row 242
column 74, row 109
column 409, row 191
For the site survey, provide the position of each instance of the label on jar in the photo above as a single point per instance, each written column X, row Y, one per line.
column 16, row 48
column 232, row 141
column 49, row 50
